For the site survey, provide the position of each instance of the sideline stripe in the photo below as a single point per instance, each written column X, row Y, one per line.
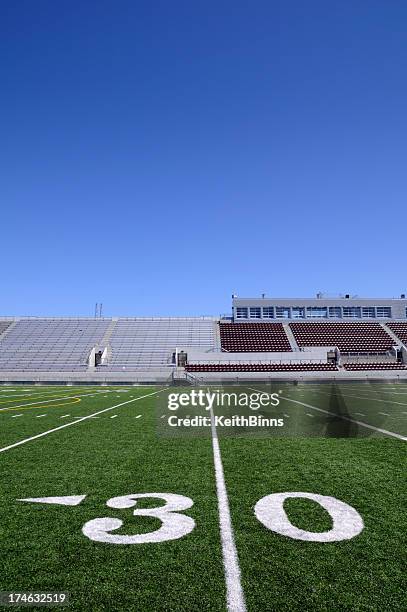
column 345, row 418
column 45, row 433
column 234, row 591
column 371, row 399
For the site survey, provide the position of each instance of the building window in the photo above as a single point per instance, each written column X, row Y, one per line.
column 335, row 312
column 298, row 312
column 282, row 312
column 317, row 312
column 383, row 312
column 351, row 312
column 241, row 313
column 368, row 313
column 255, row 313
column 268, row 312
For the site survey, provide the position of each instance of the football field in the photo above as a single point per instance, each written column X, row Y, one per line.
column 97, row 502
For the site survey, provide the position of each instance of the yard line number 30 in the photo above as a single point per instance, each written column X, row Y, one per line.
column 269, row 510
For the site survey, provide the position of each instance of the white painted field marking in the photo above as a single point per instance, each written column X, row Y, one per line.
column 38, row 416
column 163, row 416
column 345, row 418
column 372, row 399
column 53, row 392
column 138, row 416
column 234, row 591
column 360, row 413
column 174, row 525
column 66, row 500
column 346, row 521
column 287, row 416
column 14, row 416
column 45, row 433
column 56, row 399
column 64, row 416
column 384, row 413
column 310, row 415
column 114, row 416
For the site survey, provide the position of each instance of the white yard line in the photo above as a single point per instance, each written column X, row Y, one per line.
column 14, row 416
column 234, row 590
column 345, row 418
column 45, row 433
column 114, row 416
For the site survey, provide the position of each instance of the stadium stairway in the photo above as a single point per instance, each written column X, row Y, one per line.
column 392, row 334
column 290, row 336
column 105, row 340
column 5, row 327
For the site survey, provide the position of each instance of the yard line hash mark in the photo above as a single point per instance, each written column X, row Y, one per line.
column 45, row 433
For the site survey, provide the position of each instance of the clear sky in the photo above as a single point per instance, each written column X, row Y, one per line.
column 159, row 156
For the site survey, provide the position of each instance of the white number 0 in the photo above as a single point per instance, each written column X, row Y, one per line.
column 173, row 524
column 346, row 521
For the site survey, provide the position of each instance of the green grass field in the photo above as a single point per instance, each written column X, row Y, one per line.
column 123, row 451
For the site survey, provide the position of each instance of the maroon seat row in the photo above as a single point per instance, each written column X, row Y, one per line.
column 257, row 367
column 348, row 337
column 374, row 366
column 253, row 337
column 400, row 330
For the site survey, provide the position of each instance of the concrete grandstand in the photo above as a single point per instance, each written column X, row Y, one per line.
column 263, row 339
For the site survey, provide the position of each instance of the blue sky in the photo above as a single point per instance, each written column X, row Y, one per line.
column 159, row 156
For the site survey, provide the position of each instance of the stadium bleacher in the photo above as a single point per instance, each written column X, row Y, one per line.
column 149, row 343
column 347, row 337
column 3, row 326
column 400, row 330
column 50, row 344
column 253, row 337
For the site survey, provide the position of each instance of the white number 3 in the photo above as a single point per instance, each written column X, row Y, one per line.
column 173, row 524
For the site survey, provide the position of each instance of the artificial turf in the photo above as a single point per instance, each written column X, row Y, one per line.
column 43, row 547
